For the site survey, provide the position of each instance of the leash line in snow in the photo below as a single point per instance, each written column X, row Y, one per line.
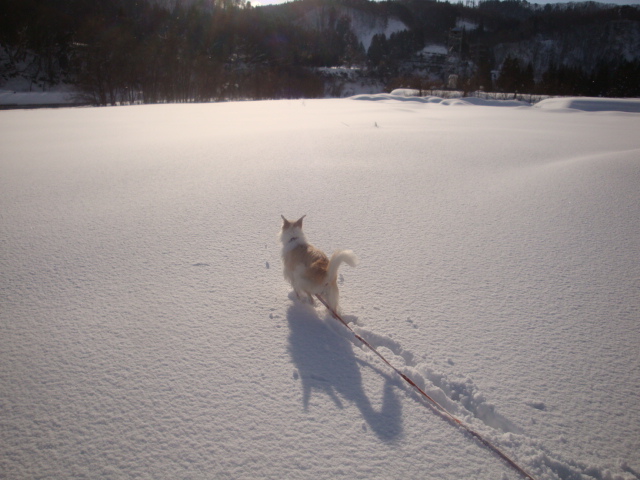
column 439, row 408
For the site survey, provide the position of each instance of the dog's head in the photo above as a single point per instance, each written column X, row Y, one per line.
column 291, row 231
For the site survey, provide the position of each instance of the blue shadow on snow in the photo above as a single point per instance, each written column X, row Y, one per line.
column 325, row 361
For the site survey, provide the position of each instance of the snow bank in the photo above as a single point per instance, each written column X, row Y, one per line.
column 146, row 329
column 410, row 95
column 587, row 104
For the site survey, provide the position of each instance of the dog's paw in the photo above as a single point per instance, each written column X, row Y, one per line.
column 304, row 298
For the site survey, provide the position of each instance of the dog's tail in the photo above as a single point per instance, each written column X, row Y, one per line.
column 339, row 256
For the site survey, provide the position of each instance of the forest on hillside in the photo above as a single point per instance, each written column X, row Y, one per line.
column 150, row 51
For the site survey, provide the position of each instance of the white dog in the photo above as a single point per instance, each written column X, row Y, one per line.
column 307, row 268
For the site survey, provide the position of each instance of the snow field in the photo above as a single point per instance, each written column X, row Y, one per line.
column 147, row 330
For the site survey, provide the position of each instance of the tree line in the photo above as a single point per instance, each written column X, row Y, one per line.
column 153, row 51
column 609, row 79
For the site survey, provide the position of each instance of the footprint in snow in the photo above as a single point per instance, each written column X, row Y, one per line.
column 537, row 405
column 455, row 391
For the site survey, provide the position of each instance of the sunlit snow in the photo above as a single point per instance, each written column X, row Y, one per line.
column 146, row 329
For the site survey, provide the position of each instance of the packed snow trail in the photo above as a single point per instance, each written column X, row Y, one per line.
column 463, row 397
column 439, row 408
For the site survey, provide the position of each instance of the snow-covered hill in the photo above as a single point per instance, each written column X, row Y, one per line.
column 146, row 330
column 364, row 24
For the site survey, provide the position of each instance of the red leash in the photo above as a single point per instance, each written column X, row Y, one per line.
column 443, row 411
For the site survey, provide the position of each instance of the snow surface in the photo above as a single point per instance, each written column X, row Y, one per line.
column 146, row 330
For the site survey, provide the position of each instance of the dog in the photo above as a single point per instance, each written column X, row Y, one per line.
column 307, row 268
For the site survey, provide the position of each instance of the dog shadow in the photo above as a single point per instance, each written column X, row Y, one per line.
column 325, row 362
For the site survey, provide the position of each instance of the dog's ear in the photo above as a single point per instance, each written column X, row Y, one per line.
column 286, row 223
column 299, row 222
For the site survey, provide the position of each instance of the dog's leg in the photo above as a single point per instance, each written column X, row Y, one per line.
column 304, row 297
column 311, row 300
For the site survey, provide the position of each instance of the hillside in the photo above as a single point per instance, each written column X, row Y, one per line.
column 148, row 51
